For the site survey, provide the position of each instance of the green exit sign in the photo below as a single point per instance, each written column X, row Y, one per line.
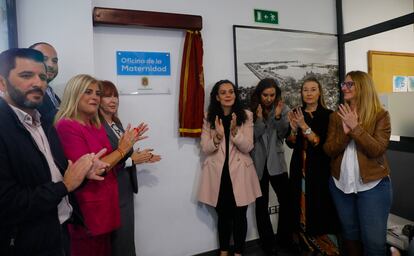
column 265, row 16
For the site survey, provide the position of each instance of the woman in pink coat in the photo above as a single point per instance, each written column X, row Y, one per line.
column 228, row 179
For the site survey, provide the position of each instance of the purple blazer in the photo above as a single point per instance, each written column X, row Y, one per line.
column 246, row 187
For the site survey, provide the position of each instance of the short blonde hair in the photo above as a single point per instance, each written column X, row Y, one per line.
column 74, row 90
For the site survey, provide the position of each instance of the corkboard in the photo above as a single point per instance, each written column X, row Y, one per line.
column 382, row 66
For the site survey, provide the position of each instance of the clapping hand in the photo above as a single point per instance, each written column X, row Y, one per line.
column 259, row 111
column 300, row 118
column 233, row 124
column 278, row 109
column 141, row 129
column 293, row 122
column 218, row 123
column 145, row 156
column 128, row 139
column 349, row 117
column 98, row 167
column 297, row 119
column 154, row 158
column 131, row 136
column 76, row 172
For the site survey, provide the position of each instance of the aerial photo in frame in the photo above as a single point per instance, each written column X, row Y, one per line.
column 289, row 56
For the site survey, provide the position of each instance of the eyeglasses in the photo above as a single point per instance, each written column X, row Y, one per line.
column 348, row 84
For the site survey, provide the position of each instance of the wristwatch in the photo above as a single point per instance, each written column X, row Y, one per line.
column 307, row 131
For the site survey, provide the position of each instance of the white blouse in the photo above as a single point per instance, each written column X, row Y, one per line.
column 350, row 179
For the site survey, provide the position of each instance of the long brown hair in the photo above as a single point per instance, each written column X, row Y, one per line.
column 256, row 98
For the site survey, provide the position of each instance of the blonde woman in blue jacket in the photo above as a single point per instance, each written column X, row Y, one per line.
column 270, row 128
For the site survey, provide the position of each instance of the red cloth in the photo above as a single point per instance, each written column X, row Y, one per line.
column 191, row 103
column 82, row 244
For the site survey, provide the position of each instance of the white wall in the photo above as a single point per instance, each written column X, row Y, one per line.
column 169, row 221
column 219, row 16
column 360, row 14
column 67, row 25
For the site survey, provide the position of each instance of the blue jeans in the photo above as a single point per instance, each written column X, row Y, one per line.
column 364, row 215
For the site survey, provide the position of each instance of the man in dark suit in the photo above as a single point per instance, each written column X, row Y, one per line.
column 51, row 101
column 35, row 178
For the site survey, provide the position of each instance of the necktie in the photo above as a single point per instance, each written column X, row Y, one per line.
column 52, row 96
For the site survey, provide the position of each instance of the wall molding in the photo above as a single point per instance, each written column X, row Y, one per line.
column 125, row 17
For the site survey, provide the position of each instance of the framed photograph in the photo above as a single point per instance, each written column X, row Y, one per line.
column 289, row 56
column 400, row 83
column 391, row 71
column 8, row 24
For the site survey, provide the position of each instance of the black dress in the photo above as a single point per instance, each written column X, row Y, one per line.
column 231, row 218
column 313, row 212
column 226, row 196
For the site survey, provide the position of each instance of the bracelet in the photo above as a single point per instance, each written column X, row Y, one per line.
column 121, row 152
column 307, row 131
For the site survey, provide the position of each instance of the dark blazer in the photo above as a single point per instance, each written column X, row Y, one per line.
column 132, row 170
column 48, row 109
column 28, row 197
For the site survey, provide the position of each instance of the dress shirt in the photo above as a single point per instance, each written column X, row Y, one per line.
column 350, row 180
column 32, row 124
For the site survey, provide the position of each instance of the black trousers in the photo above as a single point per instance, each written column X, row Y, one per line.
column 232, row 219
column 65, row 239
column 264, row 226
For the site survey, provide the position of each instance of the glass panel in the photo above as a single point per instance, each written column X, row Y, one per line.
column 4, row 36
